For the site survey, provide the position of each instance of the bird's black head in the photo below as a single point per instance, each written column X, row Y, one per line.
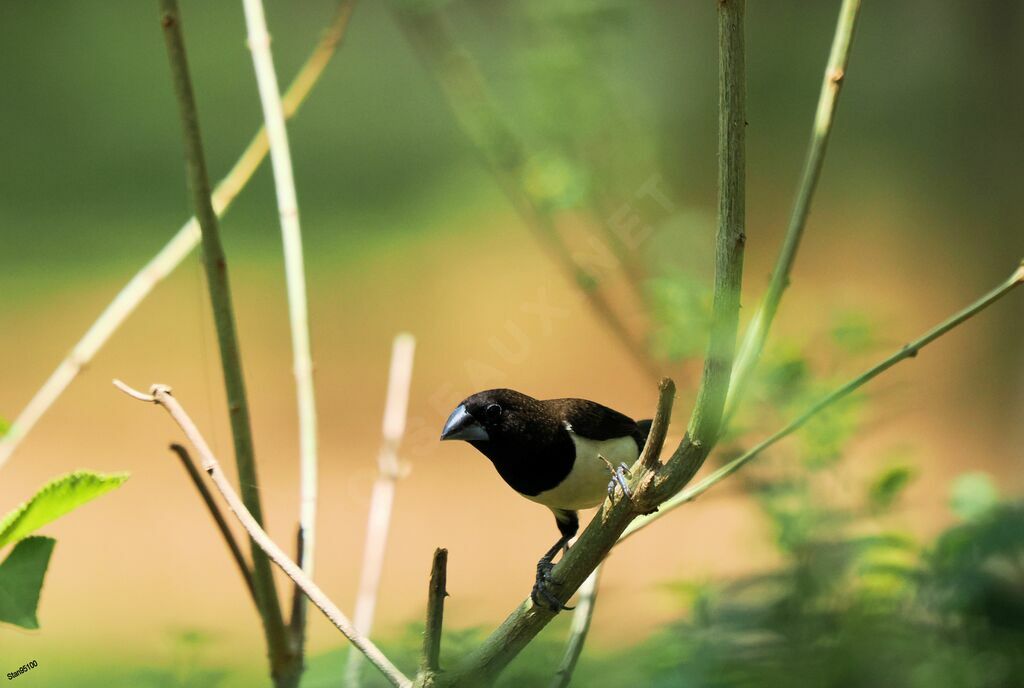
column 495, row 415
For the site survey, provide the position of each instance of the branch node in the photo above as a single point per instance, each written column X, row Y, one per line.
column 158, row 389
column 134, row 393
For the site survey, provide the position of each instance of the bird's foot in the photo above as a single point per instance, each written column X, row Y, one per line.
column 541, row 594
column 620, row 478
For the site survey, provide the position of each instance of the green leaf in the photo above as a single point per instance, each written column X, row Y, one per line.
column 887, row 486
column 55, row 499
column 21, row 580
column 4, row 426
column 973, row 495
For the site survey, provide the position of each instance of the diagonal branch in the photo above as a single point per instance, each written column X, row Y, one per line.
column 218, row 517
column 908, row 351
column 215, row 264
column 482, row 666
column 175, row 251
column 161, row 394
column 505, row 155
column 396, row 407
column 757, row 331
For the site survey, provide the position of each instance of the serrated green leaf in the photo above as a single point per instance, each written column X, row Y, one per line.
column 21, row 580
column 55, row 499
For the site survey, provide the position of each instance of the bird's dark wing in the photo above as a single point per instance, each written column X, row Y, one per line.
column 594, row 421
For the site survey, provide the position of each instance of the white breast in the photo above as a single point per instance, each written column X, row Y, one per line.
column 587, row 484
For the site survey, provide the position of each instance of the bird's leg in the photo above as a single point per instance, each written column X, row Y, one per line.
column 541, row 593
column 620, row 478
column 568, row 525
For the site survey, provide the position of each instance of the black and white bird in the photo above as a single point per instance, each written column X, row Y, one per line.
column 557, row 452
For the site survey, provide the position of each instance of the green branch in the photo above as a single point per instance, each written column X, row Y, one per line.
column 706, row 421
column 217, row 281
column 908, row 351
column 757, row 331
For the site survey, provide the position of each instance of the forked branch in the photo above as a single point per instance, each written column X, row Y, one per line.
column 218, row 517
column 652, row 485
column 161, row 394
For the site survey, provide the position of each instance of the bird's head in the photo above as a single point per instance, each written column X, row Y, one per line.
column 491, row 415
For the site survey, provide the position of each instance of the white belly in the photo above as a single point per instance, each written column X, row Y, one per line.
column 587, row 484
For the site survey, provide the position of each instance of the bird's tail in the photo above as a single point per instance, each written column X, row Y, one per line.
column 644, row 428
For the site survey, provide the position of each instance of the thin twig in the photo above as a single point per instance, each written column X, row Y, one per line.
column 757, row 331
column 218, row 517
column 908, row 351
column 294, row 270
column 650, row 456
column 586, row 599
column 430, row 660
column 161, row 394
column 215, row 264
column 175, row 251
column 396, row 407
column 505, row 156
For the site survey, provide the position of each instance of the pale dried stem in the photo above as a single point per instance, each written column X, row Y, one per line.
column 396, row 407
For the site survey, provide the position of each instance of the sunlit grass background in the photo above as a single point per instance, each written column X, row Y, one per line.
column 918, row 212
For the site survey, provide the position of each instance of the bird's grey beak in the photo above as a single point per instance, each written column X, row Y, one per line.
column 462, row 426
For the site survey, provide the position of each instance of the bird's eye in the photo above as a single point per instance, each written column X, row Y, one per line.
column 492, row 412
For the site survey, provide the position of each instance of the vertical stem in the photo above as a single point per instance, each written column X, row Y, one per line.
column 298, row 311
column 704, row 425
column 706, row 420
column 757, row 331
column 581, row 618
column 396, row 407
column 430, row 662
column 216, row 267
